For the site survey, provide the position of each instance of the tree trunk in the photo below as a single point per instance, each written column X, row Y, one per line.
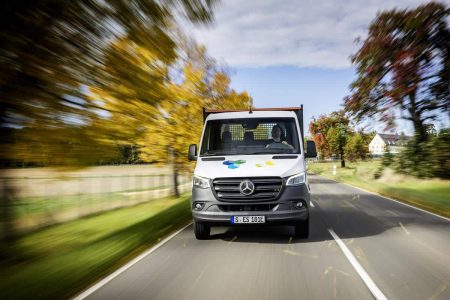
column 173, row 161
column 420, row 130
column 419, row 126
column 176, row 192
column 342, row 159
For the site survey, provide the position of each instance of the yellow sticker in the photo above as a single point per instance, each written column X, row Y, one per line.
column 270, row 163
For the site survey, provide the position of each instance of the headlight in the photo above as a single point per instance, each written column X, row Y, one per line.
column 296, row 179
column 201, row 182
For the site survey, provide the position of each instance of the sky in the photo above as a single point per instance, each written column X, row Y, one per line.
column 287, row 53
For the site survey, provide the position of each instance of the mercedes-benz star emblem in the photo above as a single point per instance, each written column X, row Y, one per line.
column 247, row 187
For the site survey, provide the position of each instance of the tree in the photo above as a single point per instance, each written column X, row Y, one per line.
column 356, row 147
column 337, row 137
column 440, row 156
column 404, row 64
column 166, row 137
column 388, row 157
column 130, row 86
column 319, row 128
column 434, row 158
column 50, row 51
column 155, row 105
column 368, row 136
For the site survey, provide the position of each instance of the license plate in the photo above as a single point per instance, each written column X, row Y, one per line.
column 247, row 219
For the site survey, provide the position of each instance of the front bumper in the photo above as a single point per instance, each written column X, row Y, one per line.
column 279, row 211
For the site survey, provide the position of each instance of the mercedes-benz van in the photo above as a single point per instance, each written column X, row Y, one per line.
column 251, row 169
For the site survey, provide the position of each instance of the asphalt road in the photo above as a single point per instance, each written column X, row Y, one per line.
column 404, row 252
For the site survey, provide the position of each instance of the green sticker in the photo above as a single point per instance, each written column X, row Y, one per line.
column 239, row 162
column 259, row 165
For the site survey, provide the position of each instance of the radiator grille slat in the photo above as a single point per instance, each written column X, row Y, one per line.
column 266, row 189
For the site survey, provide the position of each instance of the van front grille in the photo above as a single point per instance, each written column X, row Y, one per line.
column 265, row 189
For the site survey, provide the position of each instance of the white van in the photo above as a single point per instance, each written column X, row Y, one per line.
column 251, row 170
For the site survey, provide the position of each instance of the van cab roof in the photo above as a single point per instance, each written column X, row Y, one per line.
column 254, row 114
column 246, row 113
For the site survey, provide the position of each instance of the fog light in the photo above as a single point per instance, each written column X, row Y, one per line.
column 299, row 204
column 198, row 206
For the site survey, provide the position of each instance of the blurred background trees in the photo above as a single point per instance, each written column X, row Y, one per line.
column 434, row 160
column 336, row 137
column 403, row 66
column 97, row 82
column 330, row 132
column 356, row 147
column 53, row 51
column 155, row 106
column 80, row 81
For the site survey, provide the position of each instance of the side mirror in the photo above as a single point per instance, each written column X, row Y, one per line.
column 192, row 155
column 310, row 149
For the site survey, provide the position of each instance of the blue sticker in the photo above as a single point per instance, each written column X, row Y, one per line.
column 228, row 162
column 233, row 166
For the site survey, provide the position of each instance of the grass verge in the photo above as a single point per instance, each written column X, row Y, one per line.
column 62, row 260
column 429, row 194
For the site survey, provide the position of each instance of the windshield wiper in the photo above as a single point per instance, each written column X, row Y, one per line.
column 217, row 154
column 264, row 152
column 271, row 152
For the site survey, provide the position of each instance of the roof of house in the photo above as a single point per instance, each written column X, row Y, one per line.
column 394, row 139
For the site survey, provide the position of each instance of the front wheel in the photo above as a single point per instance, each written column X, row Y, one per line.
column 302, row 229
column 202, row 230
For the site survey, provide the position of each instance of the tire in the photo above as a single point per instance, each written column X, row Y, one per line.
column 301, row 229
column 202, row 230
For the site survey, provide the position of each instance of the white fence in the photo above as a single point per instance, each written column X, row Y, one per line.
column 44, row 196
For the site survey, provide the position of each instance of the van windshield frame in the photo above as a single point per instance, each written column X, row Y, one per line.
column 250, row 136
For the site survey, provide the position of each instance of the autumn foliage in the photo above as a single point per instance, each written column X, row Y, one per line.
column 403, row 67
column 334, row 136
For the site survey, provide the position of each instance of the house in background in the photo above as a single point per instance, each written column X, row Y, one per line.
column 394, row 142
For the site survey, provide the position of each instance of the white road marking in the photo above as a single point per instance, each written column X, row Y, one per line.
column 392, row 213
column 311, row 203
column 376, row 292
column 110, row 277
column 387, row 198
column 403, row 227
column 438, row 292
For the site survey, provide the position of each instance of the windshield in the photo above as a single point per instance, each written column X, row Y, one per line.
column 250, row 136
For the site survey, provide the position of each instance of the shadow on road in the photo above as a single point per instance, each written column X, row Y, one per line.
column 351, row 213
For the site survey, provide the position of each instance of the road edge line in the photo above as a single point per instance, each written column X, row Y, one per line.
column 398, row 201
column 376, row 292
column 125, row 267
column 388, row 198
